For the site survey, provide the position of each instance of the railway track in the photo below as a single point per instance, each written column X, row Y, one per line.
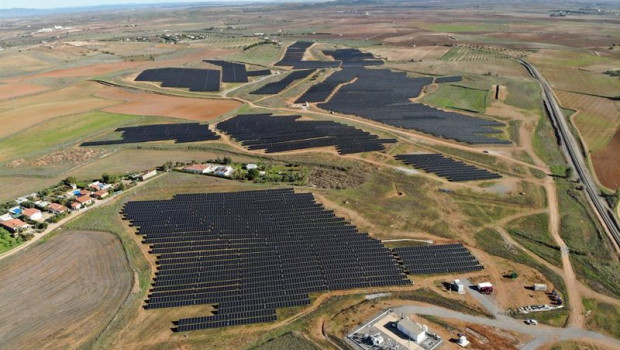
column 571, row 149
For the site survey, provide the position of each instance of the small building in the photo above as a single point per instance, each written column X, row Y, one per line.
column 5, row 217
column 458, row 286
column 413, row 330
column 56, row 208
column 97, row 186
column 32, row 214
column 147, row 175
column 540, row 287
column 199, row 168
column 75, row 205
column 224, row 171
column 376, row 339
column 84, row 193
column 84, row 200
column 72, row 193
column 41, row 204
column 14, row 225
column 100, row 194
column 462, row 342
column 251, row 166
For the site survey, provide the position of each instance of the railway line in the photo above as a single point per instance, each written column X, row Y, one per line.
column 571, row 149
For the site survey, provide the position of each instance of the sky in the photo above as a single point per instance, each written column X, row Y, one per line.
column 48, row 4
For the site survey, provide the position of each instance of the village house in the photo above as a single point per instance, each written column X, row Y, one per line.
column 100, row 194
column 85, row 200
column 32, row 214
column 14, row 225
column 75, row 205
column 56, row 208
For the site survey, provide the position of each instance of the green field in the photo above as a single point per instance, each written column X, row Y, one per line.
column 533, row 233
column 458, row 97
column 602, row 317
column 7, row 242
column 60, row 133
column 262, row 55
column 286, row 342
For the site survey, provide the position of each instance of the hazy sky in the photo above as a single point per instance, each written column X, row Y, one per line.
column 46, row 4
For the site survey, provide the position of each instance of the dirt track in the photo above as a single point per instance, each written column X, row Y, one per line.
column 60, row 293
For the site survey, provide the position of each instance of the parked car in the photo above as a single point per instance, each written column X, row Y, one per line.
column 531, row 322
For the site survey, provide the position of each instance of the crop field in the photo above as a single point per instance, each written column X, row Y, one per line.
column 471, row 53
column 458, row 97
column 64, row 292
column 408, row 54
column 607, row 164
column 12, row 90
column 148, row 104
column 259, row 55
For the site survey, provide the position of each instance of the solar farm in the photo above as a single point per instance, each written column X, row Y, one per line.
column 278, row 86
column 452, row 79
column 249, row 253
column 194, row 79
column 446, row 167
column 180, row 133
column 437, row 259
column 293, row 57
column 288, row 133
column 231, row 72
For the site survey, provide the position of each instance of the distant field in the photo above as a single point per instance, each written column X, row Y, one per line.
column 12, row 90
column 62, row 292
column 263, row 55
column 408, row 54
column 472, row 53
column 607, row 163
column 457, row 97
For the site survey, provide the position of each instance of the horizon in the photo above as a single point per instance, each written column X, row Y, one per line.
column 63, row 4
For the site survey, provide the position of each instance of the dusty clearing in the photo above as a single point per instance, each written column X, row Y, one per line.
column 141, row 103
column 60, row 293
column 13, row 90
column 88, row 71
column 607, row 163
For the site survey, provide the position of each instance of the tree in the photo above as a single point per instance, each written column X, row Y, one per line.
column 253, row 174
column 70, row 180
column 227, row 160
column 107, row 178
column 568, row 172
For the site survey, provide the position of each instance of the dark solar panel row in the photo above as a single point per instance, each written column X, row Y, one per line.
column 293, row 57
column 452, row 79
column 231, row 72
column 437, row 259
column 180, row 133
column 451, row 169
column 286, row 133
column 190, row 78
column 384, row 96
column 257, row 73
column 278, row 86
column 248, row 253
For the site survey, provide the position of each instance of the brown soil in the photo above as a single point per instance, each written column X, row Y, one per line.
column 141, row 103
column 338, row 179
column 57, row 294
column 88, row 71
column 12, row 90
column 73, row 155
column 607, row 163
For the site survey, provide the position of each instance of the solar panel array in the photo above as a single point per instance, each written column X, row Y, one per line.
column 180, row 133
column 277, row 86
column 451, row 169
column 248, row 253
column 231, row 72
column 437, row 259
column 190, row 78
column 293, row 57
column 453, row 79
column 383, row 95
column 257, row 73
column 287, row 133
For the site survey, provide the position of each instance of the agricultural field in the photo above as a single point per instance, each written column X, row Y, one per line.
column 357, row 145
column 85, row 272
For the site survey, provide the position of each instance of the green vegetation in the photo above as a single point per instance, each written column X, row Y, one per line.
column 591, row 253
column 458, row 97
column 602, row 317
column 545, row 144
column 7, row 242
column 555, row 318
column 532, row 232
column 262, row 55
column 492, row 242
column 429, row 296
column 286, row 342
column 60, row 132
column 571, row 345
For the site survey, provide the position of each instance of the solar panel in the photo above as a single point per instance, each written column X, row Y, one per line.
column 189, row 78
column 249, row 253
column 180, row 133
column 451, row 169
column 437, row 259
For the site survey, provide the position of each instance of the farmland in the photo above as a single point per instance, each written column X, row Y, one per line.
column 351, row 169
column 84, row 271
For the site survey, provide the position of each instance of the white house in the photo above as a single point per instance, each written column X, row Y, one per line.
column 32, row 214
column 251, row 166
column 413, row 330
column 41, row 204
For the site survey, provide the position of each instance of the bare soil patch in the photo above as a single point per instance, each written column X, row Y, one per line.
column 61, row 293
column 88, row 71
column 607, row 163
column 142, row 103
column 12, row 90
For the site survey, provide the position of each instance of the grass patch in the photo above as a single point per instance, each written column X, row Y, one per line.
column 602, row 317
column 545, row 144
column 7, row 242
column 532, row 232
column 458, row 97
column 60, row 132
column 263, row 55
column 555, row 318
column 286, row 342
column 492, row 242
column 591, row 252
